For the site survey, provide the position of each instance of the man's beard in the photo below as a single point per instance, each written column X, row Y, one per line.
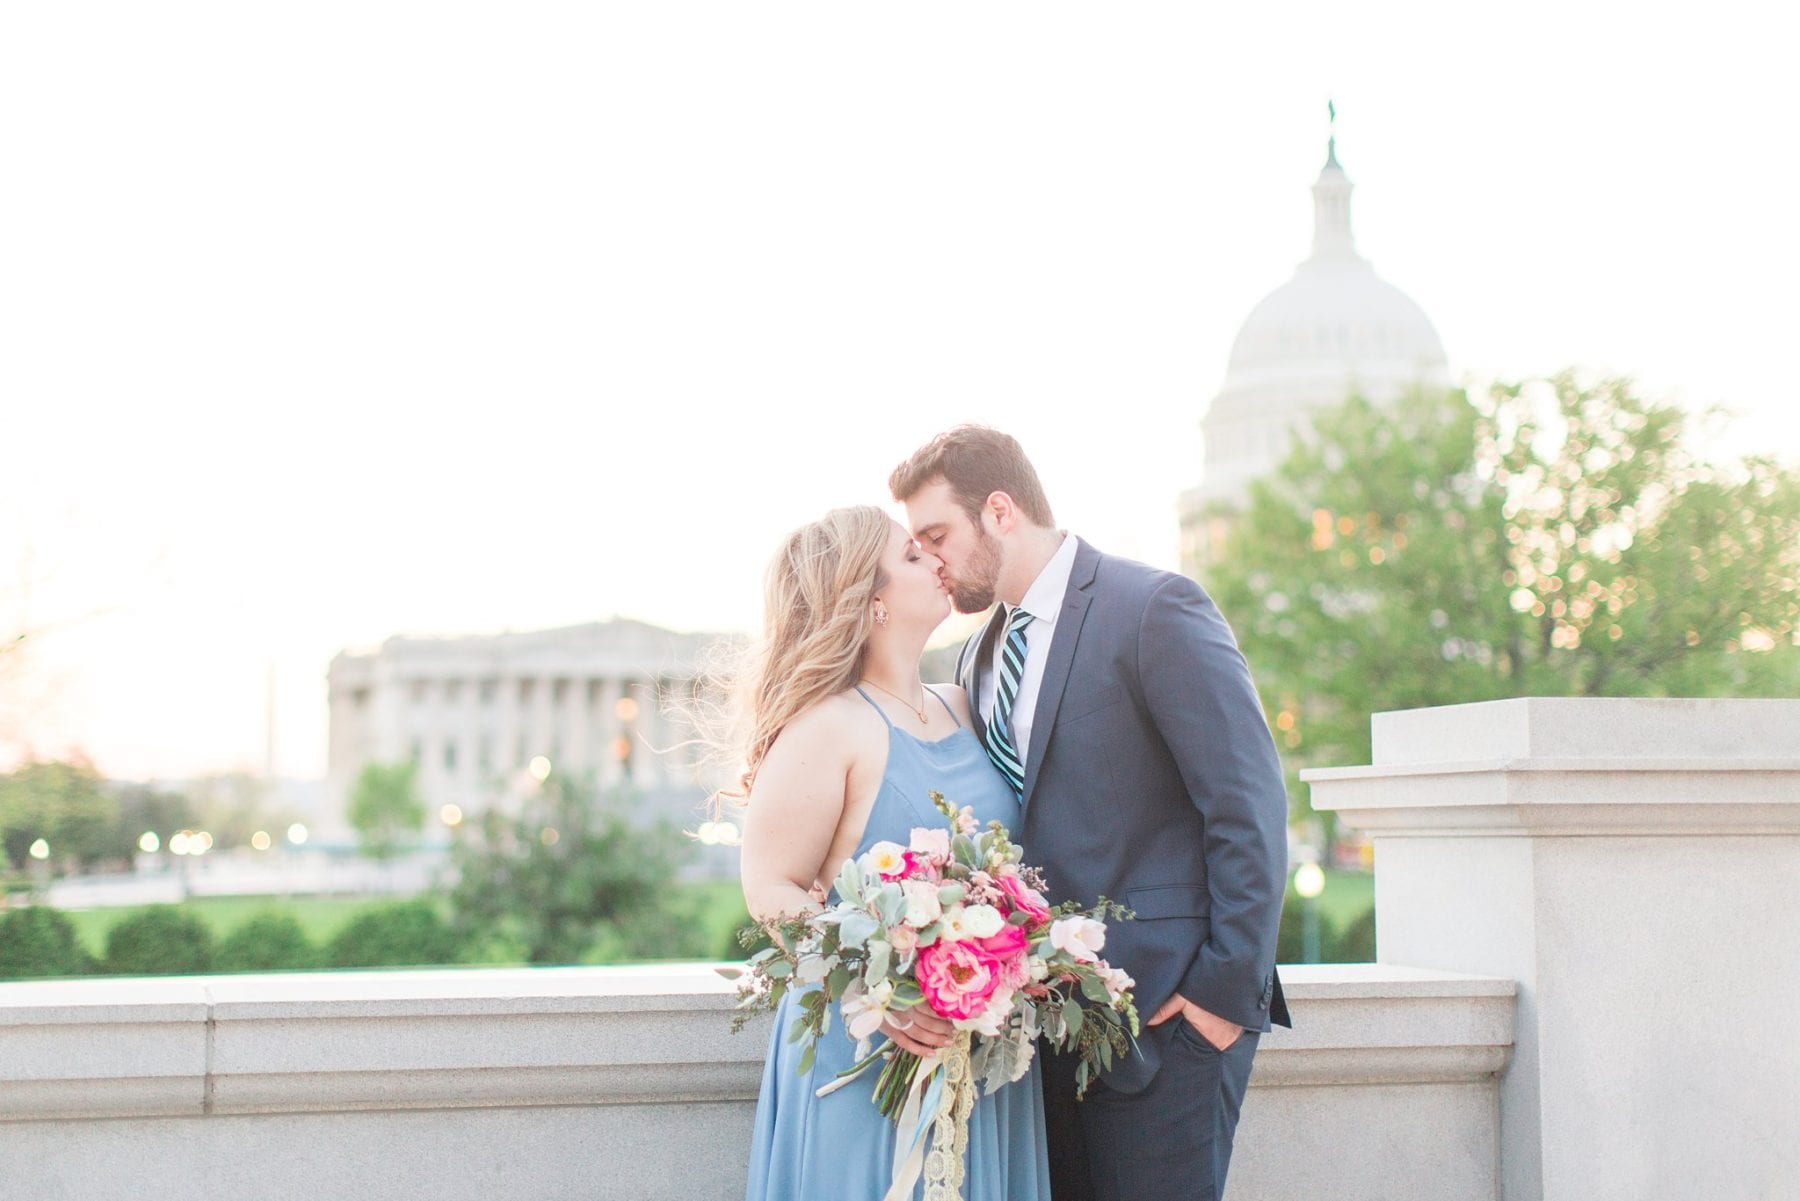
column 975, row 592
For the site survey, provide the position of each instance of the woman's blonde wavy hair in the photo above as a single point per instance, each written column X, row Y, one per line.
column 817, row 618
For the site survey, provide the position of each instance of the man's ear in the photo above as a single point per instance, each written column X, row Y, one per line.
column 999, row 506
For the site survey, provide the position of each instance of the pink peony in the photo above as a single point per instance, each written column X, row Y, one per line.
column 1009, row 951
column 919, row 867
column 1025, row 899
column 957, row 977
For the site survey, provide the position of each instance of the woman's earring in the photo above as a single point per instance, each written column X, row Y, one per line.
column 881, row 613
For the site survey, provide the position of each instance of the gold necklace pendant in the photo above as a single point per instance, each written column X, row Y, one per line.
column 918, row 710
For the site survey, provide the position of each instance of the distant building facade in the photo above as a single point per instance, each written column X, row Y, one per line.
column 475, row 712
column 1334, row 329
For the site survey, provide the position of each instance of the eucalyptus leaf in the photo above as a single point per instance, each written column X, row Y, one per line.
column 857, row 928
column 850, row 882
column 890, row 902
column 1071, row 1015
column 880, row 956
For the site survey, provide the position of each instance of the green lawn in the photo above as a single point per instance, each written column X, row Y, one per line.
column 720, row 904
column 1347, row 896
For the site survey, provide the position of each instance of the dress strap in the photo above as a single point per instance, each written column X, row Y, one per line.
column 874, row 706
column 947, row 708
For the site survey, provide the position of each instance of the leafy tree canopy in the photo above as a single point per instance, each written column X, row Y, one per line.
column 1554, row 537
column 385, row 807
column 567, row 869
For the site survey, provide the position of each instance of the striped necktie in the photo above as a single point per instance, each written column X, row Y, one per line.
column 999, row 738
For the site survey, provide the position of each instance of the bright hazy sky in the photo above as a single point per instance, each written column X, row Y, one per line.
column 323, row 322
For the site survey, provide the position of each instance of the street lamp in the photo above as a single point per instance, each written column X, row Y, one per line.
column 186, row 845
column 1309, row 882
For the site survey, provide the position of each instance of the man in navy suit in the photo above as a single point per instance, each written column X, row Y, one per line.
column 1133, row 733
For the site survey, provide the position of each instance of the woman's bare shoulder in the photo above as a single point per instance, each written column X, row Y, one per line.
column 840, row 721
column 956, row 698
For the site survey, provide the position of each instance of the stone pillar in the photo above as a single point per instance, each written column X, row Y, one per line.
column 1635, row 866
column 606, row 730
column 577, row 720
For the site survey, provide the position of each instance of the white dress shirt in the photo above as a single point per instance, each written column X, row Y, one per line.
column 1044, row 601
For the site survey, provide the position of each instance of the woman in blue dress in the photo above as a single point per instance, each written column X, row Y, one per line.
column 844, row 742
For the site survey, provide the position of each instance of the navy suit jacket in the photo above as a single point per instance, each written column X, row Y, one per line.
column 1152, row 780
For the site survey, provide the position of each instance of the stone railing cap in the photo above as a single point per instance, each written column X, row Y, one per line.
column 1564, row 728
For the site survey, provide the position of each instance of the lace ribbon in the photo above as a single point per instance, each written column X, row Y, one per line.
column 938, row 1106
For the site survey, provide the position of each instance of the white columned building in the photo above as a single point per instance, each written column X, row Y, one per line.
column 474, row 712
column 1334, row 329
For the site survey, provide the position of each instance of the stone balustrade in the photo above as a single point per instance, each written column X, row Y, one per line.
column 1587, row 943
column 621, row 1082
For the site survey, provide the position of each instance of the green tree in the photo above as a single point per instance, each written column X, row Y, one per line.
column 231, row 806
column 147, row 808
column 1554, row 537
column 385, row 807
column 567, row 870
column 65, row 804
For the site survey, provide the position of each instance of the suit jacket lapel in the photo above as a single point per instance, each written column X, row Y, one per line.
column 978, row 653
column 1062, row 658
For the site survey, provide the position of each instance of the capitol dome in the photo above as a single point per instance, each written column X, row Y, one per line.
column 1333, row 329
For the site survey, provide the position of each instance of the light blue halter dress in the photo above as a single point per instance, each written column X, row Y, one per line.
column 839, row 1147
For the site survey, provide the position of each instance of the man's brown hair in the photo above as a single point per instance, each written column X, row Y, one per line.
column 976, row 461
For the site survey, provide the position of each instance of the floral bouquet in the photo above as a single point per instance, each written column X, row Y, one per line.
column 953, row 920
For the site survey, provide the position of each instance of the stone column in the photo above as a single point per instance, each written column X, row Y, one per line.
column 606, row 730
column 1635, row 866
column 577, row 720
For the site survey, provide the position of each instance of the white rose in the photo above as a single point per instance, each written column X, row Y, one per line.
column 922, row 906
column 982, row 921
